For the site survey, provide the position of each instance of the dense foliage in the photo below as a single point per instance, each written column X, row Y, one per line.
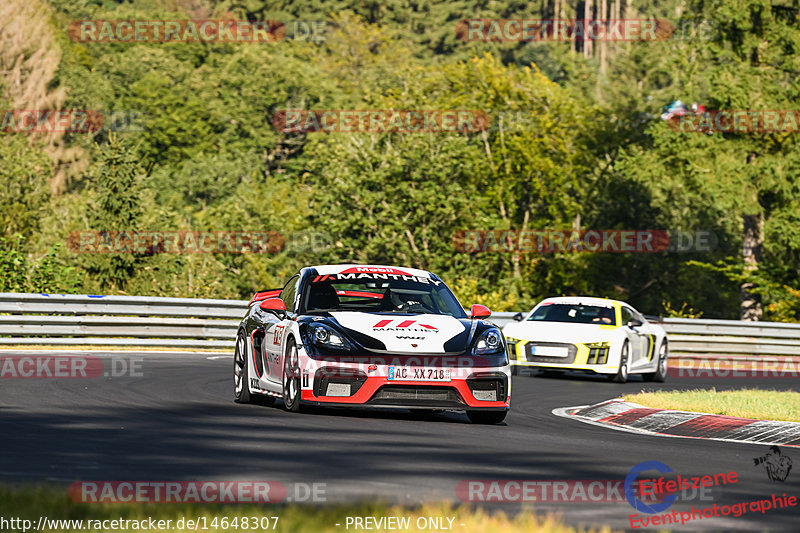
column 574, row 142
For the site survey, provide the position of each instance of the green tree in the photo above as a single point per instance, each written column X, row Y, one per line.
column 116, row 180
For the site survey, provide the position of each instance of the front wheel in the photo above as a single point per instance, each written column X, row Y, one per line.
column 486, row 417
column 660, row 375
column 291, row 378
column 622, row 374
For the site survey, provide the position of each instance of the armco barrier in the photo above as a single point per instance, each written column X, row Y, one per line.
column 65, row 319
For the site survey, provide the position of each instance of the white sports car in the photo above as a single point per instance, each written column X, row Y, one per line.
column 594, row 335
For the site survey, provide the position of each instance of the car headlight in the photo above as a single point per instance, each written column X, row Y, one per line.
column 489, row 342
column 325, row 336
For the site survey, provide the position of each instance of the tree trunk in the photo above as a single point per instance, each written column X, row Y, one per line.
column 602, row 44
column 587, row 17
column 752, row 245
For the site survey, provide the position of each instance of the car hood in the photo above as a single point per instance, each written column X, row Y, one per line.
column 559, row 332
column 422, row 333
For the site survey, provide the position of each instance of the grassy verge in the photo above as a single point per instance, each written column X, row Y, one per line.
column 744, row 403
column 31, row 503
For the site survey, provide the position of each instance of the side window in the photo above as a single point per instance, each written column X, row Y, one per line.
column 288, row 293
column 627, row 315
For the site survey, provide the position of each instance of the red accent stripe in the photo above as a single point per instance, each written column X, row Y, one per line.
column 631, row 415
column 405, row 323
column 428, row 327
column 382, row 324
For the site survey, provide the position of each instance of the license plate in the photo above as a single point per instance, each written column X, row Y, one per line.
column 549, row 351
column 410, row 373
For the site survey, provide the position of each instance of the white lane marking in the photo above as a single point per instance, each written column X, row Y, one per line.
column 213, row 357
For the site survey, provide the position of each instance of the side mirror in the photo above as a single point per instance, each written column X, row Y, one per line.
column 518, row 317
column 273, row 305
column 480, row 311
column 634, row 323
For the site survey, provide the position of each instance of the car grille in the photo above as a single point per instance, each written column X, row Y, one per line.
column 571, row 349
column 597, row 356
column 338, row 382
column 417, row 395
column 489, row 387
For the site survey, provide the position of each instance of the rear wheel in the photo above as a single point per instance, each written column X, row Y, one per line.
column 622, row 374
column 291, row 378
column 241, row 391
column 660, row 375
column 486, row 417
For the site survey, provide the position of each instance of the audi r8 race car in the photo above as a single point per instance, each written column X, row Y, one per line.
column 594, row 335
column 371, row 336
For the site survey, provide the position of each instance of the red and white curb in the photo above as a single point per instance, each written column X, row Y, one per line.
column 634, row 418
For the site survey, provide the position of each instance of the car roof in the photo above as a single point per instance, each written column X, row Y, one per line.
column 584, row 300
column 379, row 269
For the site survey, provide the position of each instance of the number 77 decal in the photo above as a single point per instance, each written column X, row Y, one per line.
column 277, row 337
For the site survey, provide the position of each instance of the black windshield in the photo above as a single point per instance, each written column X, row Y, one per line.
column 382, row 296
column 575, row 313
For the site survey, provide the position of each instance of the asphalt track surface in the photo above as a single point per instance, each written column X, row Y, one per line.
column 178, row 421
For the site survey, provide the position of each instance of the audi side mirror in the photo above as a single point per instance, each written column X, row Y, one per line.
column 518, row 317
column 634, row 323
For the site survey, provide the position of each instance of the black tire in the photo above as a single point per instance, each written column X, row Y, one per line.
column 291, row 378
column 486, row 417
column 241, row 385
column 622, row 373
column 660, row 375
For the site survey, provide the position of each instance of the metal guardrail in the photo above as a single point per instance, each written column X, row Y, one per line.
column 64, row 319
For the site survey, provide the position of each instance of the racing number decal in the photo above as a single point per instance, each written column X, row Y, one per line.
column 277, row 337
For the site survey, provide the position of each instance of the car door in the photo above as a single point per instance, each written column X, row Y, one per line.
column 649, row 333
column 635, row 339
column 276, row 331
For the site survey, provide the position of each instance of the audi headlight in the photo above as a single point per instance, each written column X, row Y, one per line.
column 489, row 342
column 327, row 337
